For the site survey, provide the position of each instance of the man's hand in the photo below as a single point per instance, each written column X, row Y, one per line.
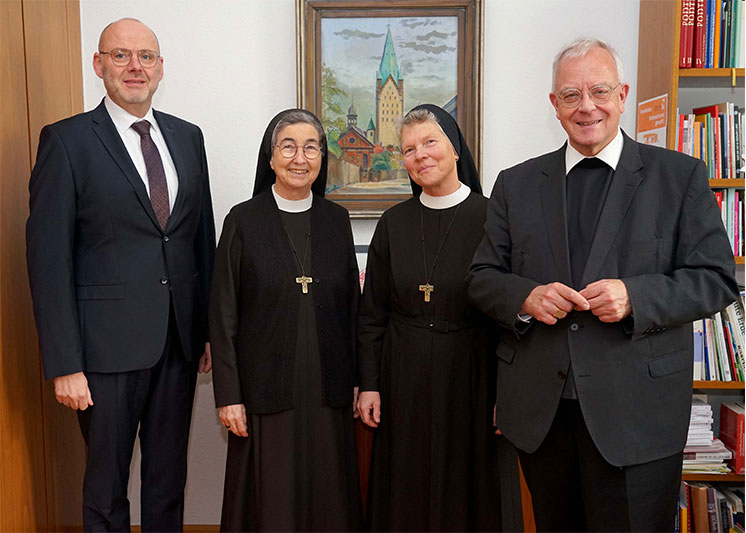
column 233, row 417
column 205, row 362
column 368, row 401
column 608, row 299
column 72, row 391
column 552, row 302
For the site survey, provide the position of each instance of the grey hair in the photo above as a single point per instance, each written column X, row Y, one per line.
column 300, row 116
column 415, row 116
column 580, row 48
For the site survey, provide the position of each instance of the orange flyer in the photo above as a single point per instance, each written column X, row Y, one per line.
column 652, row 118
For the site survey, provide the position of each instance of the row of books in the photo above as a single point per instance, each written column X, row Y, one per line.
column 707, row 509
column 714, row 134
column 730, row 202
column 719, row 345
column 711, row 34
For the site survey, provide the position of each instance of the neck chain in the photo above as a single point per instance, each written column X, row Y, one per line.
column 301, row 280
column 427, row 288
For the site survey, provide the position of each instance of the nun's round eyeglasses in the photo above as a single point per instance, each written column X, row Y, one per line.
column 288, row 150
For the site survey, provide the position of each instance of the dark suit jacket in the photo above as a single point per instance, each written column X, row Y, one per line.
column 254, row 306
column 660, row 232
column 102, row 272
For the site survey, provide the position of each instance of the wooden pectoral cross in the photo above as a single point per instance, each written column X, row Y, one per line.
column 427, row 289
column 304, row 281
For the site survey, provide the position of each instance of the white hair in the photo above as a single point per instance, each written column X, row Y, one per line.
column 580, row 48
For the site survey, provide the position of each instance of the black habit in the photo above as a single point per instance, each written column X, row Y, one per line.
column 434, row 463
column 290, row 359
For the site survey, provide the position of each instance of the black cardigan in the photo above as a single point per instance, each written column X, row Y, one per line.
column 253, row 317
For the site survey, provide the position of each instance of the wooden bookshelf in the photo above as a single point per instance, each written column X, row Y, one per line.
column 721, row 184
column 718, row 385
column 733, row 73
column 658, row 74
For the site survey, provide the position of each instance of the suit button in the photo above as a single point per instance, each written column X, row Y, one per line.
column 561, row 375
column 166, row 238
column 164, row 281
column 319, row 306
column 574, row 327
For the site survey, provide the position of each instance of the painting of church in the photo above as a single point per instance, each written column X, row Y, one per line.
column 365, row 64
column 357, row 147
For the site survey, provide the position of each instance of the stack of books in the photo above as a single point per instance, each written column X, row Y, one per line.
column 707, row 459
column 711, row 33
column 700, row 422
column 719, row 345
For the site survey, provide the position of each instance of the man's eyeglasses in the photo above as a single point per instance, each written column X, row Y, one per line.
column 600, row 94
column 122, row 56
column 288, row 150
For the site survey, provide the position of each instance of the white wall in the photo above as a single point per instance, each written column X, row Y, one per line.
column 230, row 66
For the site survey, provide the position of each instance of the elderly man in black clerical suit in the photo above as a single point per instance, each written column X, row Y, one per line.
column 597, row 258
column 120, row 244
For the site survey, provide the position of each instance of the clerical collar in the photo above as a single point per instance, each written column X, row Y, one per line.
column 610, row 155
column 447, row 201
column 123, row 119
column 293, row 206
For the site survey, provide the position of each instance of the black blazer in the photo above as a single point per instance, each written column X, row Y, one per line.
column 661, row 233
column 254, row 302
column 102, row 272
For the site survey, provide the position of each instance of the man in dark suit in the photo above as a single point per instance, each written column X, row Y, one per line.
column 596, row 259
column 120, row 244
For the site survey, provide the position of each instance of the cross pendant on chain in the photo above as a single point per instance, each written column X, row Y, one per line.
column 304, row 281
column 427, row 289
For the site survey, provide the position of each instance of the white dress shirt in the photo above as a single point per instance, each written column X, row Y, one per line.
column 610, row 155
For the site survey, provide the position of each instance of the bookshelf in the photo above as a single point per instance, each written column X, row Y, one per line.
column 718, row 385
column 658, row 73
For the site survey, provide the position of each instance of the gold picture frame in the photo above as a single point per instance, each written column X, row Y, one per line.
column 428, row 49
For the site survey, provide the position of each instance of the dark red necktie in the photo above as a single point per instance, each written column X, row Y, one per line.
column 156, row 174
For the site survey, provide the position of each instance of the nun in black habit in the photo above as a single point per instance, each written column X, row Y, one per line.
column 282, row 327
column 426, row 357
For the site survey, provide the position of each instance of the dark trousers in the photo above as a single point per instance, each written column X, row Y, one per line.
column 159, row 400
column 574, row 488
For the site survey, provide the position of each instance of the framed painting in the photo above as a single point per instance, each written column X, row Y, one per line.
column 363, row 64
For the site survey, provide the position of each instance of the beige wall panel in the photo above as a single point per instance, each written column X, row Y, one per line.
column 54, row 80
column 22, row 478
column 53, row 62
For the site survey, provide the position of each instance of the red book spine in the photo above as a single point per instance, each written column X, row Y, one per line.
column 687, row 33
column 698, row 56
column 732, row 435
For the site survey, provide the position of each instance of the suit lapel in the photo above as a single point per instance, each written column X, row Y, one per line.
column 624, row 185
column 107, row 132
column 552, row 192
column 177, row 155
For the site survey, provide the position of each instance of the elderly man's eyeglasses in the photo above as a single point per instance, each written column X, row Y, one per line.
column 599, row 94
column 122, row 56
column 288, row 150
